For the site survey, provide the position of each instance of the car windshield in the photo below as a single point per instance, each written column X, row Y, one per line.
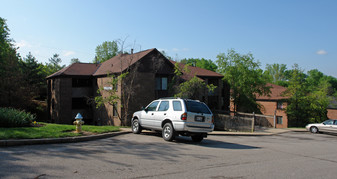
column 197, row 107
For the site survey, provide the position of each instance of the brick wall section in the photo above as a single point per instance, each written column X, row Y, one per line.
column 104, row 115
column 332, row 113
column 269, row 108
column 60, row 111
column 144, row 93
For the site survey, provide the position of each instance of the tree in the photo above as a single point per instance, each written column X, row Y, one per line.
column 319, row 102
column 105, row 51
column 201, row 63
column 12, row 86
column 309, row 97
column 74, row 60
column 34, row 76
column 54, row 64
column 244, row 77
column 193, row 88
column 299, row 103
column 276, row 72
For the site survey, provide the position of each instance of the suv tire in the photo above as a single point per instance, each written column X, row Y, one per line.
column 197, row 138
column 136, row 127
column 168, row 132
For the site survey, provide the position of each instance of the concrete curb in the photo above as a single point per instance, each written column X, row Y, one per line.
column 16, row 142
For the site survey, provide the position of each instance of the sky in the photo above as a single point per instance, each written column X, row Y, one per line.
column 277, row 31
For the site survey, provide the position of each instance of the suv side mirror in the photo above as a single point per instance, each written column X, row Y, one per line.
column 145, row 109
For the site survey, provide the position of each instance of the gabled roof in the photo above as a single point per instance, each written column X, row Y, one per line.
column 196, row 71
column 76, row 69
column 121, row 62
column 276, row 93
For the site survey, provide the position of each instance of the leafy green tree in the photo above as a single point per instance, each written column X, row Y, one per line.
column 201, row 63
column 193, row 88
column 299, row 102
column 319, row 102
column 34, row 76
column 54, row 64
column 74, row 60
column 333, row 89
column 276, row 72
column 12, row 86
column 105, row 51
column 245, row 78
column 309, row 97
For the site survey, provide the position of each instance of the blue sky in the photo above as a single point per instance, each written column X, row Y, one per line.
column 279, row 31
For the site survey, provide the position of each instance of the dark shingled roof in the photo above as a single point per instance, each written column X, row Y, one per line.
column 77, row 69
column 119, row 63
column 276, row 93
column 196, row 71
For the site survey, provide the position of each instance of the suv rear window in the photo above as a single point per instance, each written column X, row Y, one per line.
column 197, row 107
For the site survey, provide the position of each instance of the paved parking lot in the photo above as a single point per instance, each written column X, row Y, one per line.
column 288, row 155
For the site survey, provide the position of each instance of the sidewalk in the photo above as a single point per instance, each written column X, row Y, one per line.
column 16, row 142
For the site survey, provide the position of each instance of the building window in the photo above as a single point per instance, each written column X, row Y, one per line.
column 79, row 82
column 161, row 83
column 279, row 105
column 279, row 119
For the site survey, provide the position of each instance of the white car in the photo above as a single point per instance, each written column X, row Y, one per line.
column 326, row 126
column 175, row 116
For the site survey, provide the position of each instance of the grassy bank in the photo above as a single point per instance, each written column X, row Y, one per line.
column 51, row 131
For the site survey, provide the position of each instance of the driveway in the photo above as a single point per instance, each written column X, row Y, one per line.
column 288, row 155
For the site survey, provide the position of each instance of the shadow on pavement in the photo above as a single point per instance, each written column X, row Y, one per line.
column 205, row 142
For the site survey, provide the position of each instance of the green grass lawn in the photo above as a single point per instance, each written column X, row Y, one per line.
column 51, row 131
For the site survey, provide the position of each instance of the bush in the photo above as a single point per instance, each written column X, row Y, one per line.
column 10, row 117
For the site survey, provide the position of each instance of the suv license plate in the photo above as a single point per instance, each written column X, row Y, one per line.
column 199, row 118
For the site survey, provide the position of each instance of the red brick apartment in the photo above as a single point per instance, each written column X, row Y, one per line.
column 69, row 88
column 275, row 103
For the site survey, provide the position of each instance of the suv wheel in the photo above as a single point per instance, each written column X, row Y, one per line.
column 136, row 127
column 168, row 132
column 197, row 138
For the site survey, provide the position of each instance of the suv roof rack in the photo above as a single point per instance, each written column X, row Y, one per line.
column 170, row 98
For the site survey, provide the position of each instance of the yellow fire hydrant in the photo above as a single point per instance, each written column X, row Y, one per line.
column 78, row 123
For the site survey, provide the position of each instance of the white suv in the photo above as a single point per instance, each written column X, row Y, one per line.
column 175, row 116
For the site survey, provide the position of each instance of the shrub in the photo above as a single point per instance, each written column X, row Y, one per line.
column 10, row 117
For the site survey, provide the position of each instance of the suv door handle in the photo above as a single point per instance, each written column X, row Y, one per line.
column 152, row 114
column 164, row 113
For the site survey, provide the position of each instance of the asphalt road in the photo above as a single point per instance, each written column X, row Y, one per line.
column 288, row 155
